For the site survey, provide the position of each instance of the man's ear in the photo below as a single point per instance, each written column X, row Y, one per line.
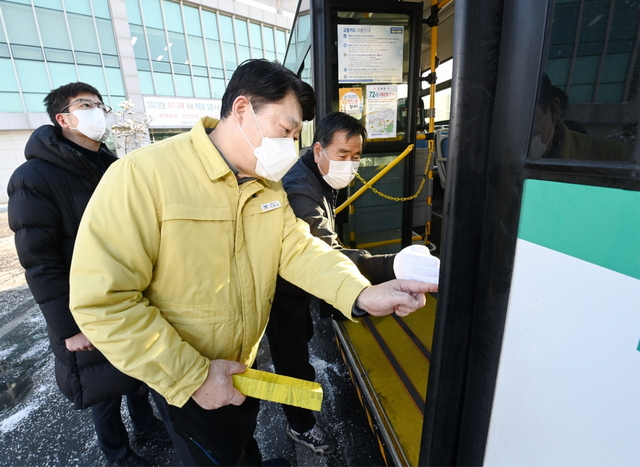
column 317, row 151
column 240, row 108
column 62, row 120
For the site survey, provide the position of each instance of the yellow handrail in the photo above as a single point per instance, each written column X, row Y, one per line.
column 366, row 186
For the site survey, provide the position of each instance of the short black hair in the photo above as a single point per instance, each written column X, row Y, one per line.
column 264, row 82
column 338, row 121
column 59, row 98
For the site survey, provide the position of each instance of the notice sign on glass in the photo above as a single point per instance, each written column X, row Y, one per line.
column 370, row 54
column 382, row 111
column 351, row 101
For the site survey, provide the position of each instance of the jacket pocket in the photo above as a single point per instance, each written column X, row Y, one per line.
column 195, row 255
column 210, row 329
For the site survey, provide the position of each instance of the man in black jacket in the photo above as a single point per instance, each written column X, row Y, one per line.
column 47, row 197
column 312, row 187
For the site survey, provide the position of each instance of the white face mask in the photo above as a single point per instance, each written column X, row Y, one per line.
column 92, row 123
column 340, row 172
column 275, row 155
column 536, row 147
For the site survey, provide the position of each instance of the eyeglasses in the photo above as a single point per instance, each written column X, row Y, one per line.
column 88, row 104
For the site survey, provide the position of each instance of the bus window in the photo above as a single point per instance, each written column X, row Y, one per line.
column 587, row 103
column 444, row 72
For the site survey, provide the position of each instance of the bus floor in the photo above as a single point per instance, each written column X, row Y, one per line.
column 390, row 358
column 342, row 414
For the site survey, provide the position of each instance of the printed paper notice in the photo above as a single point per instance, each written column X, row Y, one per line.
column 370, row 54
column 351, row 101
column 382, row 111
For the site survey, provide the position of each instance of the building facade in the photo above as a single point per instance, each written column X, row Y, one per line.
column 172, row 59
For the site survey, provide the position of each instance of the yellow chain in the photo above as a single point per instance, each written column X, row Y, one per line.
column 393, row 198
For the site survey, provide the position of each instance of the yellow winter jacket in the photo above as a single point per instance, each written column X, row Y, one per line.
column 175, row 264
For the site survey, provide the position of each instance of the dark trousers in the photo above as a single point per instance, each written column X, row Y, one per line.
column 289, row 331
column 112, row 434
column 219, row 437
column 180, row 445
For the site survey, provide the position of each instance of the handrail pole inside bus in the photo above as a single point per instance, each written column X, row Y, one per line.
column 432, row 106
column 366, row 186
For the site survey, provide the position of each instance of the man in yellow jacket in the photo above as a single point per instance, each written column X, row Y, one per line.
column 177, row 255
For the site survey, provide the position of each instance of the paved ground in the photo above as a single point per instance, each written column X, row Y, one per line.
column 38, row 428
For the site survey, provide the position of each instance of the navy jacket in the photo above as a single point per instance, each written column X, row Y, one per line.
column 313, row 201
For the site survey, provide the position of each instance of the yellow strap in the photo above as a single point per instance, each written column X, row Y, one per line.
column 278, row 388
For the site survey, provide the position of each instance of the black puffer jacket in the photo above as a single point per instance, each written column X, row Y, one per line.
column 47, row 197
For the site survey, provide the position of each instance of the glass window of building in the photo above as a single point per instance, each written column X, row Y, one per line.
column 55, row 4
column 116, row 85
column 242, row 39
column 62, row 73
column 33, row 101
column 183, row 86
column 201, row 87
column 146, row 82
column 152, row 14
column 214, row 56
column 269, row 43
column 192, row 20
column 101, row 9
column 281, row 44
column 173, row 16
column 178, row 50
column 8, row 82
column 77, row 44
column 32, row 75
column 158, row 50
column 83, row 33
column 228, row 43
column 107, row 39
column 133, row 12
column 164, row 84
column 256, row 41
column 53, row 29
column 140, row 48
column 196, row 54
column 82, row 7
column 20, row 24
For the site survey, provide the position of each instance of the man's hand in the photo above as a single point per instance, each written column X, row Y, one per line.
column 78, row 342
column 217, row 390
column 398, row 296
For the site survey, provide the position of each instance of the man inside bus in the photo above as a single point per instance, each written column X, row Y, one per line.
column 179, row 250
column 552, row 139
column 312, row 187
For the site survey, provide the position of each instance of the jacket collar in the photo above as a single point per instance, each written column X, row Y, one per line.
column 211, row 159
column 47, row 143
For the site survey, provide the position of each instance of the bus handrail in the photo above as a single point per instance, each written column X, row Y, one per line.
column 366, row 186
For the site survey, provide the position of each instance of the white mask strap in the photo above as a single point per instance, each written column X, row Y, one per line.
column 245, row 136
column 319, row 167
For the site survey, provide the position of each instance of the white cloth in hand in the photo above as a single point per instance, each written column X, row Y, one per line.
column 416, row 263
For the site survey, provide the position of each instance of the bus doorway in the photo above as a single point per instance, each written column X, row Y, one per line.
column 540, row 244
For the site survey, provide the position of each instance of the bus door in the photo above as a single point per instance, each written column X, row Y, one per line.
column 366, row 63
column 536, row 351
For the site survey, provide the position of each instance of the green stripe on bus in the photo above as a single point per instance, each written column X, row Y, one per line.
column 595, row 224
